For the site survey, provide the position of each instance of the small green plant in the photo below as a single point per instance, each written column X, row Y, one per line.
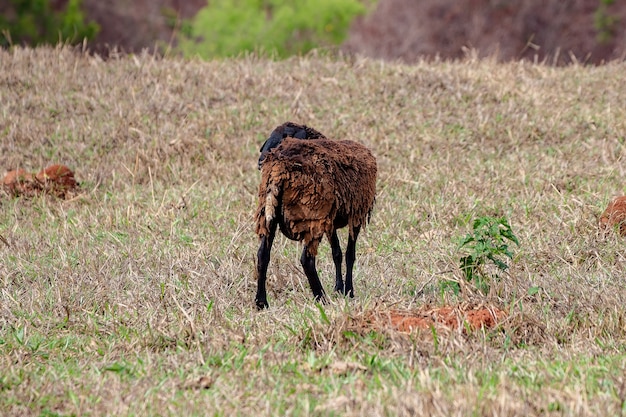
column 36, row 22
column 489, row 241
column 279, row 27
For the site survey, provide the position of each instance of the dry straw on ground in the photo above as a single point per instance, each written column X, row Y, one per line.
column 138, row 296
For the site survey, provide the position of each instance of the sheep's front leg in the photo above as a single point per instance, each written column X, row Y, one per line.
column 350, row 257
column 308, row 264
column 337, row 258
column 263, row 260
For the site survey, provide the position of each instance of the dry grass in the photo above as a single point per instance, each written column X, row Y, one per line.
column 136, row 298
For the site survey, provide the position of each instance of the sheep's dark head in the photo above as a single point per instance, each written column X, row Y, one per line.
column 287, row 130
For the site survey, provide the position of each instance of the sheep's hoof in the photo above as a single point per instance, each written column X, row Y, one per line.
column 345, row 292
column 321, row 299
column 261, row 304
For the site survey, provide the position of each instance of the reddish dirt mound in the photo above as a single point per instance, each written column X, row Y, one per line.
column 57, row 177
column 615, row 215
column 17, row 181
column 447, row 317
column 57, row 180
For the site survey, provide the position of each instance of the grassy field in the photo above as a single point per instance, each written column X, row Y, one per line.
column 137, row 296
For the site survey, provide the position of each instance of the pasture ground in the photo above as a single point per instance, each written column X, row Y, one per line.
column 137, row 296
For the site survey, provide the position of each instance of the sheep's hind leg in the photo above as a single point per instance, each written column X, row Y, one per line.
column 350, row 258
column 263, row 260
column 337, row 258
column 308, row 264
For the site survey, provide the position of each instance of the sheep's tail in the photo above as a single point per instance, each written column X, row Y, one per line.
column 270, row 196
column 271, row 202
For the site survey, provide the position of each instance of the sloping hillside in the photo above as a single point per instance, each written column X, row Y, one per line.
column 553, row 30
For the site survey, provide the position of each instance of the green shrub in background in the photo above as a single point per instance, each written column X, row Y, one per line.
column 278, row 27
column 34, row 22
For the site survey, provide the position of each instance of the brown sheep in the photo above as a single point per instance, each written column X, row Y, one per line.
column 311, row 188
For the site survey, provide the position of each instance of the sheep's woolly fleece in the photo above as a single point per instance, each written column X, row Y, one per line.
column 319, row 186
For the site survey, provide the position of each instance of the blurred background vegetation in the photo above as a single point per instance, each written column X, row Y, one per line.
column 278, row 27
column 556, row 31
column 36, row 22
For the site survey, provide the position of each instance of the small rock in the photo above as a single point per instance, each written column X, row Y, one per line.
column 204, row 382
column 343, row 368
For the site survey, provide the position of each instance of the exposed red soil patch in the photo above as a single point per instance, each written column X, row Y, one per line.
column 615, row 215
column 57, row 177
column 17, row 181
column 447, row 317
column 57, row 180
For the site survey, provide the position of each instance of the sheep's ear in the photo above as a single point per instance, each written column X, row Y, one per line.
column 294, row 131
column 271, row 142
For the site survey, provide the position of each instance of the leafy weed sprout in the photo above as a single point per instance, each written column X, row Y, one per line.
column 489, row 241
